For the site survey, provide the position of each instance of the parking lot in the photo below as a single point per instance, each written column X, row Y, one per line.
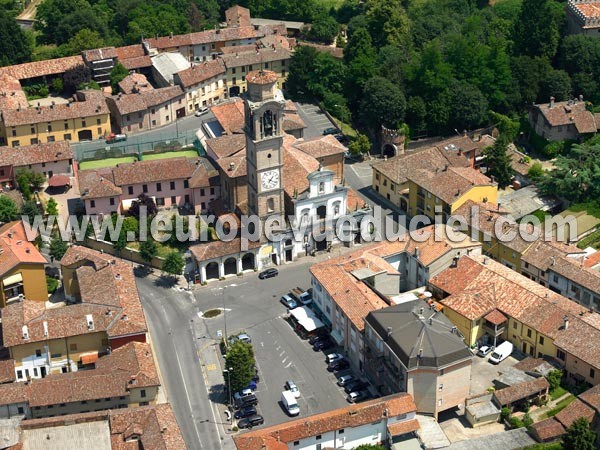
column 316, row 121
column 483, row 372
column 252, row 305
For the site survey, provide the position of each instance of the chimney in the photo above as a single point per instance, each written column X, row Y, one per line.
column 416, row 253
column 484, row 260
column 498, row 206
column 171, row 35
column 580, row 97
column 90, row 322
column 231, row 166
column 552, row 260
column 45, row 324
column 551, row 102
column 25, row 332
column 566, row 322
column 389, row 331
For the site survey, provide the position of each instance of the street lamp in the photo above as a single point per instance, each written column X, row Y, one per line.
column 229, row 370
column 341, row 110
column 225, row 318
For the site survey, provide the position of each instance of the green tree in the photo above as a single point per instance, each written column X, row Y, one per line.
column 15, row 45
column 580, row 436
column 85, row 39
column 58, row 85
column 360, row 58
column 416, row 113
column 301, row 66
column 498, row 162
column 75, row 77
column 388, row 23
column 117, row 74
column 536, row 30
column 370, row 447
column 143, row 201
column 8, row 209
column 360, row 145
column 470, row 106
column 557, row 84
column 382, row 103
column 52, row 207
column 554, row 378
column 148, row 250
column 58, row 248
column 29, row 181
column 149, row 19
column 173, row 264
column 30, row 209
column 240, row 359
column 324, row 29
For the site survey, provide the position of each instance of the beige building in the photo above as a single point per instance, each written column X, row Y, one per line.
column 202, row 84
column 560, row 121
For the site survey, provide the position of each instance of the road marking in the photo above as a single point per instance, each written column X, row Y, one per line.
column 282, row 353
column 284, row 360
column 211, row 367
column 289, row 364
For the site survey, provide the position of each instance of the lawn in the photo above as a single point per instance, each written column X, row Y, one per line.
column 102, row 163
column 182, row 153
column 162, row 250
column 558, row 392
column 328, row 4
column 560, row 406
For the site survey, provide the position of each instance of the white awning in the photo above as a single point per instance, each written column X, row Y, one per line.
column 126, row 203
column 337, row 337
column 13, row 279
column 306, row 318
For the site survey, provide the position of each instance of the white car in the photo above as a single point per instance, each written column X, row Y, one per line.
column 241, row 394
column 291, row 386
column 333, row 357
column 344, row 380
column 484, row 350
column 203, row 110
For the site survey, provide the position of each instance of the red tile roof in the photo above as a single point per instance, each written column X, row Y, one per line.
column 272, row 438
column 263, row 55
column 130, row 51
column 218, row 249
column 521, row 391
column 574, row 411
column 230, row 116
column 99, row 54
column 16, row 249
column 496, row 317
column 140, row 101
column 12, row 95
column 36, row 154
column 42, row 68
column 137, row 63
column 201, row 72
column 134, row 83
column 321, row 146
column 567, row 113
column 548, row 429
column 450, row 184
column 237, row 16
column 403, row 427
column 97, row 184
column 7, row 371
column 205, row 37
column 154, row 170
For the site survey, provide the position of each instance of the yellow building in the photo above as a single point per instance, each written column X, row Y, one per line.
column 237, row 65
column 435, row 192
column 85, row 119
column 21, row 266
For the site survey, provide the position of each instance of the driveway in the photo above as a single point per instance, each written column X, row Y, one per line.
column 483, row 373
column 316, row 121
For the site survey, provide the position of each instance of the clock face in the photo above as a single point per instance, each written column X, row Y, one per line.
column 270, row 179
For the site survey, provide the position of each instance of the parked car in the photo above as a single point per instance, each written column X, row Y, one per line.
column 330, row 130
column 248, row 411
column 237, row 396
column 252, row 385
column 318, row 336
column 484, row 350
column 501, row 352
column 250, row 422
column 112, row 138
column 355, row 397
column 269, row 273
column 333, row 357
column 345, row 379
column 248, row 400
column 288, row 302
column 323, row 344
column 342, row 139
column 240, row 337
column 355, row 386
column 291, row 386
column 203, row 110
column 337, row 365
column 306, row 298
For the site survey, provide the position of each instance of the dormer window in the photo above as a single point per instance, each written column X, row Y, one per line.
column 321, row 187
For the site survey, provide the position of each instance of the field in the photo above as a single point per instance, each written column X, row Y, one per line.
column 184, row 153
column 102, row 163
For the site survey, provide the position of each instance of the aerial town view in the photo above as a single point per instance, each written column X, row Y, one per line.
column 299, row 224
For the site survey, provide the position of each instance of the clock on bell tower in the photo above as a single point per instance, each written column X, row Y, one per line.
column 264, row 105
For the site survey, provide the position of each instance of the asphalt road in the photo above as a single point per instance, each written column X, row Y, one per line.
column 316, row 121
column 252, row 305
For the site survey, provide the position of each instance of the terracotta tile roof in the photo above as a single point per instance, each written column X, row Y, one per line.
column 496, row 317
column 93, row 105
column 156, row 427
column 233, row 166
column 138, row 62
column 225, row 146
column 518, row 161
column 336, row 52
column 292, row 122
column 42, row 68
column 576, row 341
column 154, row 170
column 99, row 54
column 35, row 154
column 218, row 249
column 97, row 184
column 16, row 249
column 204, row 175
column 237, row 16
column 543, row 254
column 592, row 397
column 130, row 51
column 521, row 391
column 403, row 427
column 548, row 429
column 263, row 55
column 588, row 9
column 575, row 271
column 530, row 364
column 140, row 101
column 231, row 116
column 567, row 113
column 7, row 371
column 321, row 146
column 201, row 72
column 205, row 37
column 135, row 82
column 351, row 416
column 574, row 411
column 449, row 184
column 12, row 95
column 297, row 165
column 592, row 260
column 354, row 200
column 11, row 393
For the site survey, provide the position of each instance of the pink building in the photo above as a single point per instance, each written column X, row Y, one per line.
column 173, row 182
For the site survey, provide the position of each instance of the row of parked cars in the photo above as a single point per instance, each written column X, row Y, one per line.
column 297, row 297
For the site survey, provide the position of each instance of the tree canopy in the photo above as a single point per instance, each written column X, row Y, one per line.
column 8, row 209
column 580, row 436
column 240, row 359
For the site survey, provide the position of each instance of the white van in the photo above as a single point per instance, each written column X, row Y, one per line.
column 290, row 403
column 501, row 352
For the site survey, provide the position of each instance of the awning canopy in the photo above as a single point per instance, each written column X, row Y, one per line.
column 306, row 318
column 59, row 181
column 13, row 279
column 89, row 358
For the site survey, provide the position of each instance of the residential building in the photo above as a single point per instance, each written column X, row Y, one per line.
column 103, row 313
column 12, row 95
column 489, row 303
column 391, row 177
column 412, row 347
column 101, row 62
column 166, row 65
column 21, row 266
column 42, row 70
column 54, row 158
column 583, row 17
column 202, row 84
column 146, row 109
column 134, row 83
column 145, row 427
column 172, row 183
column 346, row 289
column 84, row 118
column 386, row 420
column 560, row 121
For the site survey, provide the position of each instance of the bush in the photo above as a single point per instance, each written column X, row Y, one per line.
column 57, row 85
column 536, row 171
column 505, row 413
column 51, row 284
